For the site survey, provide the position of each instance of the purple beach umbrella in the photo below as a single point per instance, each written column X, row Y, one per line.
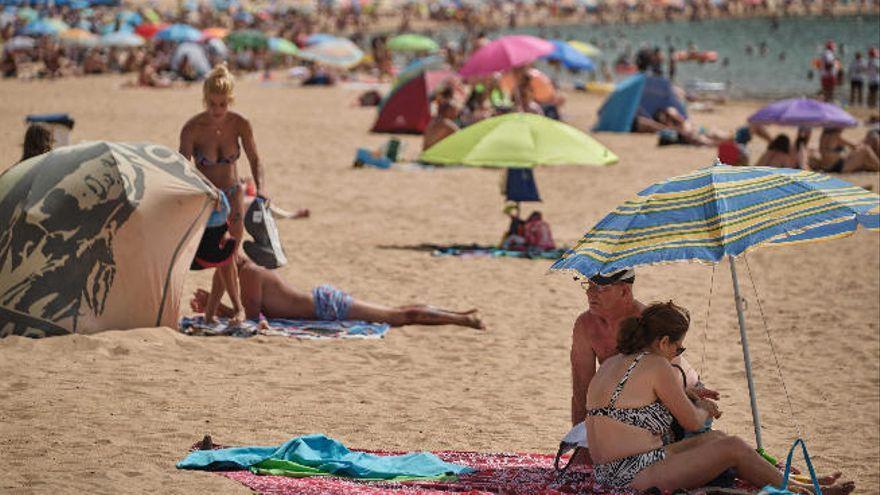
column 803, row 112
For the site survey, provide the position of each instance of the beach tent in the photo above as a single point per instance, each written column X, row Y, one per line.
column 98, row 236
column 638, row 95
column 407, row 109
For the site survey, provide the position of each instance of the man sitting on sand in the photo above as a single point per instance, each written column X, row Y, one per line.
column 442, row 125
column 264, row 294
column 594, row 337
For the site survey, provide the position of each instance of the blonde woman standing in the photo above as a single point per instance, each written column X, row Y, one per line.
column 214, row 139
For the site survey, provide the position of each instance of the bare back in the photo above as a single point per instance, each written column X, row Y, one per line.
column 610, row 439
column 264, row 291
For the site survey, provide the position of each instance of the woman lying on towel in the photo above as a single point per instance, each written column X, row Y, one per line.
column 635, row 397
column 264, row 294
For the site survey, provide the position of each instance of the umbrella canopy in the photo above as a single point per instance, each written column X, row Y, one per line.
column 249, row 38
column 45, row 27
column 314, row 39
column 149, row 29
column 721, row 211
column 803, row 112
column 505, row 53
column 214, row 32
column 121, row 39
column 79, row 37
column 133, row 215
column 340, row 52
column 28, row 14
column 718, row 212
column 281, row 45
column 179, row 33
column 570, row 57
column 518, row 140
column 587, row 49
column 19, row 43
column 194, row 54
column 412, row 43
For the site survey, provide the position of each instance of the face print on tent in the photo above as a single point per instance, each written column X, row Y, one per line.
column 64, row 210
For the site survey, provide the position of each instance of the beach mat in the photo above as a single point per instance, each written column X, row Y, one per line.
column 501, row 473
column 300, row 329
column 477, row 251
column 497, row 473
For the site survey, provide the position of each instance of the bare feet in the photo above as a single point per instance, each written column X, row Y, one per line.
column 237, row 317
column 840, row 488
column 199, row 301
column 473, row 320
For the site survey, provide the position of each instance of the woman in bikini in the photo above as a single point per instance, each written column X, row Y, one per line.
column 213, row 139
column 632, row 402
column 834, row 157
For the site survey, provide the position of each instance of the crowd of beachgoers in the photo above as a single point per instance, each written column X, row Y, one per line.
column 58, row 39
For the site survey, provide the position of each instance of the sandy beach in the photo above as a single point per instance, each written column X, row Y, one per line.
column 112, row 413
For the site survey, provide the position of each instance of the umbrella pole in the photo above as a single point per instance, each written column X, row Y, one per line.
column 756, row 420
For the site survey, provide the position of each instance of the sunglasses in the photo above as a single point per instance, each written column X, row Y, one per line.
column 588, row 286
column 679, row 350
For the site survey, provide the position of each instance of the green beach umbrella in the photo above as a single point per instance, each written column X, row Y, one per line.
column 412, row 43
column 249, row 38
column 518, row 140
column 282, row 46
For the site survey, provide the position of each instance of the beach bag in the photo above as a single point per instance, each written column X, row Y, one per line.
column 783, row 488
column 266, row 249
column 574, row 440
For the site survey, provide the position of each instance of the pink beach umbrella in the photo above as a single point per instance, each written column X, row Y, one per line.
column 505, row 53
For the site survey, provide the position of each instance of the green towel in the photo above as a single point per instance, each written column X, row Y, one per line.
column 281, row 467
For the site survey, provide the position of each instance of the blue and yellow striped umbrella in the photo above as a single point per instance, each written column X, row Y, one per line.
column 722, row 211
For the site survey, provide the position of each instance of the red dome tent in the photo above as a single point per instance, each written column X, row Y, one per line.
column 407, row 108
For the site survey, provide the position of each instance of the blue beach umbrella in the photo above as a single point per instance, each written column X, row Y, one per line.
column 722, row 212
column 179, row 33
column 314, row 39
column 45, row 27
column 122, row 39
column 570, row 57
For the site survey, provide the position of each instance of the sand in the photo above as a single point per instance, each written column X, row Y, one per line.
column 112, row 413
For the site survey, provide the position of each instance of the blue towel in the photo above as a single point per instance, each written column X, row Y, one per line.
column 326, row 454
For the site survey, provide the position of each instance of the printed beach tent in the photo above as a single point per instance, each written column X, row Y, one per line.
column 638, row 95
column 98, row 236
column 407, row 109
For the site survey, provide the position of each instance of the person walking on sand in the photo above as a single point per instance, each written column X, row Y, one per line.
column 266, row 295
column 213, row 139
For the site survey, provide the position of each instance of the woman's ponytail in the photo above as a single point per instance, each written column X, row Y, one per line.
column 656, row 321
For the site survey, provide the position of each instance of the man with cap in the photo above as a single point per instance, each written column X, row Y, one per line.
column 594, row 336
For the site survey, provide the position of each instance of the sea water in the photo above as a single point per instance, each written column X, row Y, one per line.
column 800, row 39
